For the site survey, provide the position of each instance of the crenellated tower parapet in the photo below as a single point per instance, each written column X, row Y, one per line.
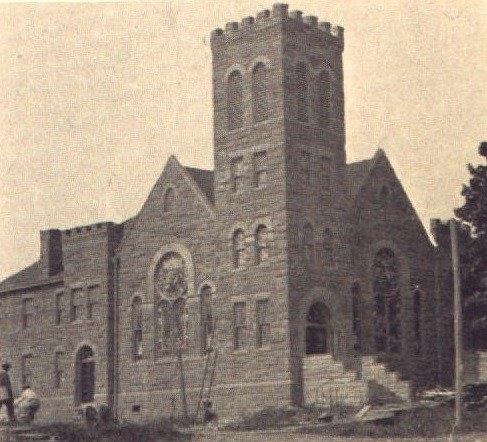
column 279, row 14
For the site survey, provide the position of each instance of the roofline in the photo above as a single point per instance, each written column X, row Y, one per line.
column 32, row 286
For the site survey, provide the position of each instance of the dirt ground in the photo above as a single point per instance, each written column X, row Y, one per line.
column 289, row 436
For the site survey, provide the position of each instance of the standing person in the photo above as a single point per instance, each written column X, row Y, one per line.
column 6, row 395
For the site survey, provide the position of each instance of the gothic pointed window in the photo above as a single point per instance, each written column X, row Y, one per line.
column 137, row 351
column 164, row 323
column 301, row 91
column 235, row 100
column 387, row 302
column 308, row 244
column 206, row 316
column 317, row 329
column 260, row 110
column 238, row 244
column 261, row 245
column 324, row 99
column 85, row 375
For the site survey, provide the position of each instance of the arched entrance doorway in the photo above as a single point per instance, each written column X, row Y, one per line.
column 85, row 375
column 387, row 296
column 318, row 332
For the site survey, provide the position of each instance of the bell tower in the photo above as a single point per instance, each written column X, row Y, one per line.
column 279, row 140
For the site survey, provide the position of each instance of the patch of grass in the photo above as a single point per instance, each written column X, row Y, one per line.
column 147, row 432
column 279, row 417
column 419, row 422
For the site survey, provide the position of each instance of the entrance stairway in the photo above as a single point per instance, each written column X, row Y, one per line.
column 328, row 382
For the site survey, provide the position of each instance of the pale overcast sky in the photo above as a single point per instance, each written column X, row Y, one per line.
column 95, row 97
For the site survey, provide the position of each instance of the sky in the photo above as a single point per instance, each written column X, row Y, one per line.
column 94, row 98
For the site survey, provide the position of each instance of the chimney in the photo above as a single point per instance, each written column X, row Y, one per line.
column 51, row 252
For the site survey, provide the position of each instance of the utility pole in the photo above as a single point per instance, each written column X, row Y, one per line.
column 457, row 323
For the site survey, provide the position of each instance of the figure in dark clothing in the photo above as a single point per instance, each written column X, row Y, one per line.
column 6, row 394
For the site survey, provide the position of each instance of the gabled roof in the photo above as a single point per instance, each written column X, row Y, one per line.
column 28, row 277
column 204, row 179
column 358, row 172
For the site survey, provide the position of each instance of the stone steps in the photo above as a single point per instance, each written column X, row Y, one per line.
column 326, row 381
column 393, row 385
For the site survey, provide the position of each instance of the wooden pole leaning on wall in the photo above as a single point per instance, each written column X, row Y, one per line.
column 457, row 324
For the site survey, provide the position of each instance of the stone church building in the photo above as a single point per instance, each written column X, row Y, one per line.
column 285, row 276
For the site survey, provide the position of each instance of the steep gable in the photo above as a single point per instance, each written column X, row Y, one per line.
column 375, row 188
column 193, row 194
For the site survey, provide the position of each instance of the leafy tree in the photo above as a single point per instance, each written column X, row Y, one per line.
column 474, row 258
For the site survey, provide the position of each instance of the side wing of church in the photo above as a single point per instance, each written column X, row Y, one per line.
column 284, row 276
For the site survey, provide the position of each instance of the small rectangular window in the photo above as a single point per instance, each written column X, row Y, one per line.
column 262, row 321
column 27, row 312
column 239, row 325
column 26, row 369
column 58, row 369
column 260, row 169
column 92, row 303
column 236, row 172
column 77, row 304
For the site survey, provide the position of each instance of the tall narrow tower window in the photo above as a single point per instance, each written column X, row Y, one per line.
column 236, row 173
column 235, row 100
column 324, row 99
column 169, row 200
column 260, row 169
column 238, row 248
column 137, row 329
column 260, row 110
column 261, row 250
column 301, row 90
column 328, row 247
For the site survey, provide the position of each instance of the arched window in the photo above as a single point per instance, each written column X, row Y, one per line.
column 169, row 200
column 206, row 317
column 238, row 241
column 164, row 324
column 356, row 314
column 328, row 247
column 317, row 335
column 387, row 302
column 308, row 244
column 137, row 329
column 260, row 109
column 235, row 100
column 85, row 375
column 417, row 322
column 301, row 90
column 324, row 99
column 261, row 245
